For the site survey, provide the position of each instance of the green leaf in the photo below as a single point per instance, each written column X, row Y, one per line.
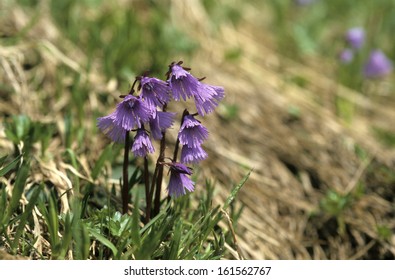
column 154, row 220
column 104, row 241
column 17, row 191
column 135, row 230
column 27, row 213
column 235, row 191
column 2, row 160
column 175, row 242
column 3, row 204
column 9, row 166
column 67, row 234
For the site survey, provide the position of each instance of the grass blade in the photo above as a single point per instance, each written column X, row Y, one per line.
column 135, row 230
column 9, row 166
column 235, row 191
column 17, row 192
column 2, row 160
column 25, row 215
column 104, row 241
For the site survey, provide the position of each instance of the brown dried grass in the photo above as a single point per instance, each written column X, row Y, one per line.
column 294, row 160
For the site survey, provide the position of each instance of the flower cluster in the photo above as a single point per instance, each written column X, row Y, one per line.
column 355, row 39
column 377, row 63
column 138, row 112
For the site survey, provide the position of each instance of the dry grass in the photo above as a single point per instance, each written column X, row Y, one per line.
column 295, row 159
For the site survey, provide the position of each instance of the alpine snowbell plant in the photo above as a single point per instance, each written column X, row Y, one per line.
column 143, row 113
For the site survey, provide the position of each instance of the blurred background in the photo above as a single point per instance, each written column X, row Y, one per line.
column 309, row 106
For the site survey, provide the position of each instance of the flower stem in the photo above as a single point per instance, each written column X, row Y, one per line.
column 159, row 175
column 125, row 187
column 148, row 195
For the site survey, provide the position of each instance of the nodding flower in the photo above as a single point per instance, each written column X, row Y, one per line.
column 184, row 85
column 155, row 92
column 130, row 114
column 179, row 182
column 192, row 133
column 192, row 154
column 142, row 144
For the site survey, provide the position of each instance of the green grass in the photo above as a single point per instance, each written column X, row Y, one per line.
column 87, row 231
column 123, row 41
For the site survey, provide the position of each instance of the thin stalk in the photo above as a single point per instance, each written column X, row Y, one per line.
column 148, row 197
column 159, row 175
column 125, row 187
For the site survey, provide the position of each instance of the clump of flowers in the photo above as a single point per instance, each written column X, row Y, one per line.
column 355, row 39
column 376, row 65
column 143, row 113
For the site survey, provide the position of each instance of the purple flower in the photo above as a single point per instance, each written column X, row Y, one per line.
column 208, row 105
column 142, row 144
column 377, row 65
column 192, row 154
column 346, row 56
column 184, row 85
column 356, row 37
column 132, row 112
column 160, row 122
column 179, row 181
column 155, row 92
column 115, row 132
column 192, row 133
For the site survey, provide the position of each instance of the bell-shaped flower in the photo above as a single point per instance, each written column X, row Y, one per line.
column 192, row 133
column 192, row 154
column 160, row 122
column 142, row 144
column 179, row 181
column 155, row 92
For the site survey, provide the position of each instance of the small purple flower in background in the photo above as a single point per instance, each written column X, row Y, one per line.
column 160, row 122
column 142, row 144
column 192, row 133
column 115, row 132
column 184, row 85
column 132, row 112
column 377, row 65
column 356, row 37
column 155, row 92
column 179, row 181
column 346, row 56
column 192, row 154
